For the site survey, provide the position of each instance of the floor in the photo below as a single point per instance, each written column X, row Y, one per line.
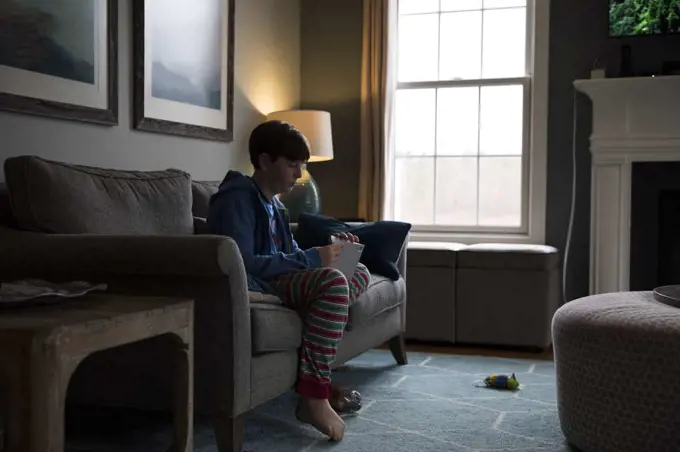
column 431, row 405
column 420, row 347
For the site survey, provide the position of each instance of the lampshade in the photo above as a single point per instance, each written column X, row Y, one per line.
column 315, row 125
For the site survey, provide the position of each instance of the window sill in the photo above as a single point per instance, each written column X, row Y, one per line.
column 474, row 238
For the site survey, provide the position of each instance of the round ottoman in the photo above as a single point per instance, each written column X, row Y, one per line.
column 617, row 364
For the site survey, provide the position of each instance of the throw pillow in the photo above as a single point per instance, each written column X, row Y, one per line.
column 384, row 240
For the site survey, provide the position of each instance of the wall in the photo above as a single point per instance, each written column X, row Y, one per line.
column 578, row 31
column 267, row 78
column 331, row 68
column 331, row 41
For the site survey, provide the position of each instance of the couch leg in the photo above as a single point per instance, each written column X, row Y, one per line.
column 229, row 433
column 398, row 349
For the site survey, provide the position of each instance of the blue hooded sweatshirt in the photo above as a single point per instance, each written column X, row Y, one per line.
column 239, row 210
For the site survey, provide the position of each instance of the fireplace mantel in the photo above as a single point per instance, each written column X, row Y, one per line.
column 634, row 120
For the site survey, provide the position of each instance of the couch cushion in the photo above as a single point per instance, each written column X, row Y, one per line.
column 57, row 197
column 201, row 226
column 264, row 298
column 274, row 328
column 6, row 216
column 201, row 192
column 382, row 294
column 278, row 328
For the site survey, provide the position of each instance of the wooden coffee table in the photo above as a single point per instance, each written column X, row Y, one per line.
column 43, row 346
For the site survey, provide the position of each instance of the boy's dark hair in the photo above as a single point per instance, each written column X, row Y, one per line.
column 277, row 139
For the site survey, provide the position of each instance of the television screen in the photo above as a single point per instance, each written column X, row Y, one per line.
column 643, row 17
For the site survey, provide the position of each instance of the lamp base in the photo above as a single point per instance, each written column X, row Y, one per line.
column 304, row 197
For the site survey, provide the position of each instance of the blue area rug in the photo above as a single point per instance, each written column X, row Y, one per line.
column 430, row 405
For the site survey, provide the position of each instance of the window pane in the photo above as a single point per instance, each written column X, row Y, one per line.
column 504, row 3
column 456, row 192
column 415, row 117
column 414, row 190
column 458, row 121
column 500, row 191
column 461, row 5
column 501, row 120
column 418, row 6
column 461, row 46
column 504, row 43
column 418, row 47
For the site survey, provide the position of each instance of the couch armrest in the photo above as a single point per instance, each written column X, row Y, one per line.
column 208, row 269
column 181, row 255
column 401, row 263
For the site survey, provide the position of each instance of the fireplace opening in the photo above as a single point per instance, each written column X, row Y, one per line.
column 655, row 225
column 669, row 238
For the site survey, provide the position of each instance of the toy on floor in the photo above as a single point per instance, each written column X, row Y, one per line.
column 501, row 382
column 345, row 400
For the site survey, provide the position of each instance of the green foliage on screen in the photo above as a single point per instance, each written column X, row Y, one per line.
column 643, row 17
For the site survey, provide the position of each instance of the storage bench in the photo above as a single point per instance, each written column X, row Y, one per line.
column 506, row 294
column 431, row 291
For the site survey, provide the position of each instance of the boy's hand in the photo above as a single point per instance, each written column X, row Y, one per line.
column 347, row 236
column 329, row 254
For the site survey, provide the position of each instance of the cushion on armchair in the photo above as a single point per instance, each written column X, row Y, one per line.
column 202, row 192
column 55, row 197
column 384, row 240
column 6, row 215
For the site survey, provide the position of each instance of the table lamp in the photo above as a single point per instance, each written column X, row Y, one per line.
column 316, row 126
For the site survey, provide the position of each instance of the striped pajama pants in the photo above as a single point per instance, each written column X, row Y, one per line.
column 322, row 296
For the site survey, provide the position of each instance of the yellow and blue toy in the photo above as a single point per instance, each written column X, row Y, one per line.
column 502, row 382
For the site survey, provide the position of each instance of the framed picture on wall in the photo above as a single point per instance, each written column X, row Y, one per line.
column 59, row 58
column 184, row 68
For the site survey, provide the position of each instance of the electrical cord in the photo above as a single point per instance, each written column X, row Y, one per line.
column 573, row 202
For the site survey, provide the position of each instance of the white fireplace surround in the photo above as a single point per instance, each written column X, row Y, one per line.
column 634, row 120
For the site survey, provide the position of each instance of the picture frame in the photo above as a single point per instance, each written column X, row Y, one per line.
column 60, row 59
column 184, row 68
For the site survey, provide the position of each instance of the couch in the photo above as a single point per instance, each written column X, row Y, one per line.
column 141, row 233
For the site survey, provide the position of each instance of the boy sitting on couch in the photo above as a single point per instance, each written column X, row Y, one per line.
column 247, row 210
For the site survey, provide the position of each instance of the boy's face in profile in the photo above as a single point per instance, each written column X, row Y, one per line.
column 281, row 173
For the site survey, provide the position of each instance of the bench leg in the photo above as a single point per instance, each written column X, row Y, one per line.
column 398, row 349
column 229, row 433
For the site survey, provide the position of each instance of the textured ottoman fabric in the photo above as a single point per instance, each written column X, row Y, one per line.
column 617, row 361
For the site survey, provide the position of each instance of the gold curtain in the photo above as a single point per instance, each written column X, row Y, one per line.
column 377, row 91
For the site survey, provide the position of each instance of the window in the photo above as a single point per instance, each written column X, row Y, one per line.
column 461, row 157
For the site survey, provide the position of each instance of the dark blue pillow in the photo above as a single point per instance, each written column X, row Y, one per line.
column 383, row 239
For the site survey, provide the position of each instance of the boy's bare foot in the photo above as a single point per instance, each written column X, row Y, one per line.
column 320, row 415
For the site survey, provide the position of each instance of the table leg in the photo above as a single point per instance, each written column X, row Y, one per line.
column 17, row 417
column 50, row 376
column 183, row 397
column 36, row 401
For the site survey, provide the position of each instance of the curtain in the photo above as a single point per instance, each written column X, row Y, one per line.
column 377, row 92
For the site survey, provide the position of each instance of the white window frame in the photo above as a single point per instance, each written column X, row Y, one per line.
column 534, row 156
